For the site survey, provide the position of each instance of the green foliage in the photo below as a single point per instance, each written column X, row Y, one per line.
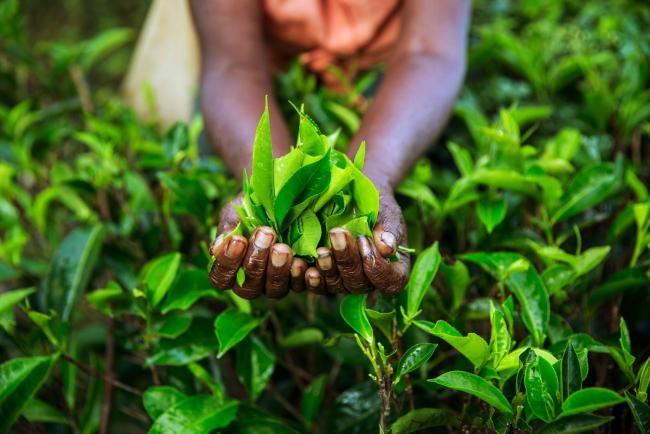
column 308, row 191
column 530, row 221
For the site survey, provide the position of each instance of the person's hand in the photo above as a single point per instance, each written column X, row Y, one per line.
column 269, row 267
column 359, row 267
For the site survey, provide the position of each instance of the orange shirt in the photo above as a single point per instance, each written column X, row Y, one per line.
column 352, row 34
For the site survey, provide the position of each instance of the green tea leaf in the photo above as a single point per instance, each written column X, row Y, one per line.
column 366, row 196
column 310, row 229
column 500, row 339
column 424, row 270
column 491, row 213
column 353, row 311
column 306, row 183
column 471, row 346
column 360, row 156
column 524, row 282
column 588, row 188
column 195, row 415
column 231, row 326
column 305, row 336
column 72, row 266
column 190, row 285
column 575, row 424
column 476, row 386
column 571, row 375
column 173, row 325
column 457, row 278
column 590, row 399
column 10, row 298
column 262, row 173
column 38, row 411
column 285, row 166
column 340, row 178
column 413, row 358
column 157, row 399
column 21, row 378
column 420, row 419
column 626, row 345
column 255, row 364
column 640, row 411
column 541, row 389
column 312, row 398
column 158, row 276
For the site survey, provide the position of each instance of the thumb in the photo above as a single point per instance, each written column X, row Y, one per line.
column 390, row 230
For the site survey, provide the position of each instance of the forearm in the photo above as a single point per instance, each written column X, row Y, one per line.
column 234, row 79
column 408, row 113
column 232, row 100
column 421, row 82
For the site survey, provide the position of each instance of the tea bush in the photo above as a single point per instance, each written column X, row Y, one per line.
column 528, row 305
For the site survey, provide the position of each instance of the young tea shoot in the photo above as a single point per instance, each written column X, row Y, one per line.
column 308, row 191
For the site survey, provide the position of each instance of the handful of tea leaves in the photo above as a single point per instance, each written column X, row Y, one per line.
column 307, row 192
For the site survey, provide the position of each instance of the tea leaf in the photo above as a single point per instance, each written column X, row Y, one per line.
column 255, row 364
column 195, row 415
column 476, row 386
column 312, row 398
column 491, row 213
column 21, row 378
column 541, row 389
column 353, row 311
column 471, row 346
column 262, row 174
column 590, row 399
column 571, row 374
column 231, row 326
column 578, row 423
column 640, row 411
column 422, row 418
column 413, row 358
column 424, row 270
column 157, row 399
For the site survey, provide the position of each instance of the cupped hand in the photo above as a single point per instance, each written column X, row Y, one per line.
column 361, row 266
column 269, row 267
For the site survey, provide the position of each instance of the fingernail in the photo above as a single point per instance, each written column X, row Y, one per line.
column 388, row 239
column 216, row 244
column 338, row 240
column 234, row 248
column 296, row 272
column 278, row 259
column 314, row 281
column 325, row 261
column 263, row 239
column 364, row 246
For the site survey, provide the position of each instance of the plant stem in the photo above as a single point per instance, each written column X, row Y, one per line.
column 94, row 373
column 109, row 365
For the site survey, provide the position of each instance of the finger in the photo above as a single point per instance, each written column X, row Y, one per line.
column 328, row 270
column 228, row 218
column 388, row 277
column 348, row 261
column 389, row 231
column 228, row 256
column 385, row 241
column 254, row 263
column 298, row 267
column 277, row 271
column 315, row 282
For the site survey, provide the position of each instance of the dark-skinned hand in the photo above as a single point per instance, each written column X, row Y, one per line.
column 349, row 266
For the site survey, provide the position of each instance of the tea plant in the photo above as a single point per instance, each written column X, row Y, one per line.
column 527, row 307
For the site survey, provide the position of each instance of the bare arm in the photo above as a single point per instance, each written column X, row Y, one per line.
column 422, row 80
column 234, row 79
